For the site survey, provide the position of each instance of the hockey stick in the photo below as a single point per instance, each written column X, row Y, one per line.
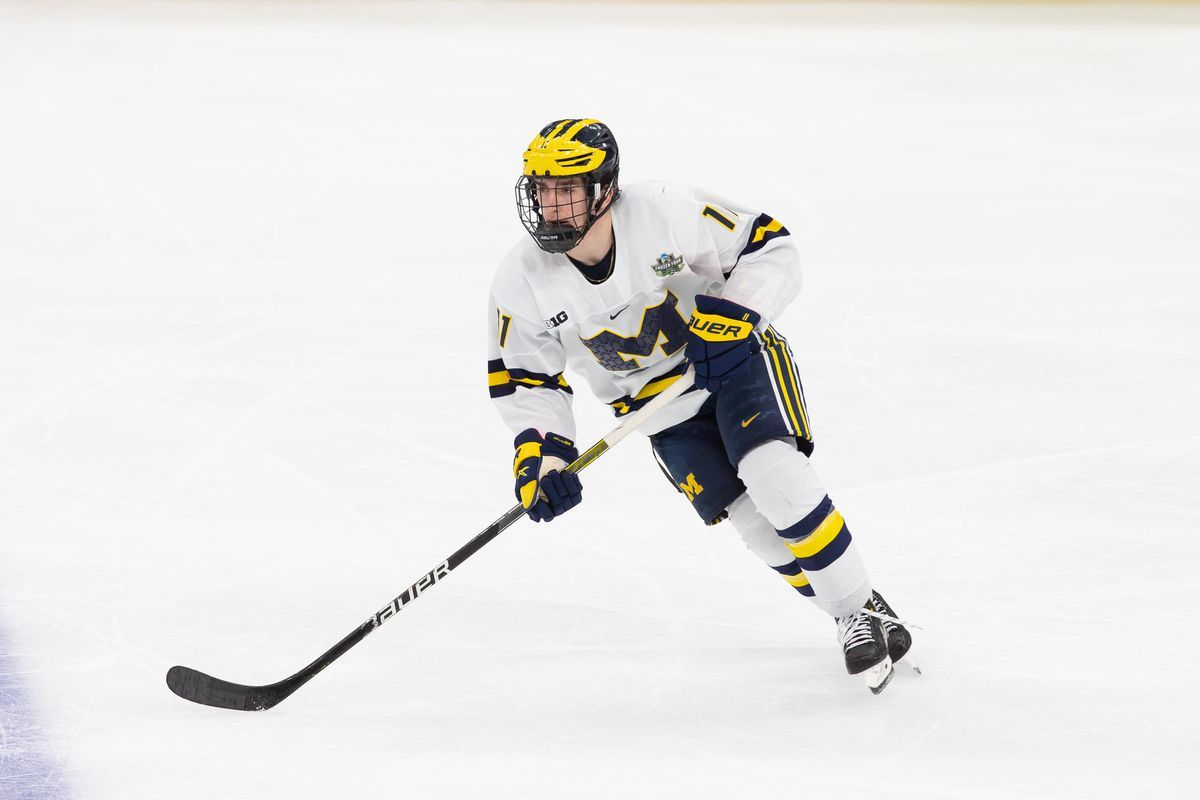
column 200, row 688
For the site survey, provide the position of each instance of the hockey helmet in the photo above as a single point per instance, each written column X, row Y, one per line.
column 568, row 148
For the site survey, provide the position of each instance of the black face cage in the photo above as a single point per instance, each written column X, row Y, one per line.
column 559, row 237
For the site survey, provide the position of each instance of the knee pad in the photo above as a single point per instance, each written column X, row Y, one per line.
column 781, row 482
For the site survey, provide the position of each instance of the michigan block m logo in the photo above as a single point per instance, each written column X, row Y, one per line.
column 662, row 326
column 691, row 486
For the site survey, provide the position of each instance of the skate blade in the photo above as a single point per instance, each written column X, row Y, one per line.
column 879, row 676
column 912, row 663
column 915, row 667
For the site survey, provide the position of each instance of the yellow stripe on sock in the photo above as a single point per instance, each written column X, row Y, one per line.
column 797, row 580
column 825, row 533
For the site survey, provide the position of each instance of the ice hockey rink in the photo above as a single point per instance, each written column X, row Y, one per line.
column 244, row 258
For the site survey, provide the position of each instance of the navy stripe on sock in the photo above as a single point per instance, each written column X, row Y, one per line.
column 829, row 553
column 806, row 526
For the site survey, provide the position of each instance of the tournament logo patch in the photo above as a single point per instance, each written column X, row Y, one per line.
column 667, row 264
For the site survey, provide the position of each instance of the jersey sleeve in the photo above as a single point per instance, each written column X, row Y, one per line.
column 525, row 366
column 748, row 251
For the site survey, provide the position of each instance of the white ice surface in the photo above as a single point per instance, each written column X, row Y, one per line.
column 244, row 255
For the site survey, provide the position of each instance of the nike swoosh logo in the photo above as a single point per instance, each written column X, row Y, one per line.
column 614, row 316
column 746, row 422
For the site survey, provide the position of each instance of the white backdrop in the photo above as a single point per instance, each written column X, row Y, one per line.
column 244, row 257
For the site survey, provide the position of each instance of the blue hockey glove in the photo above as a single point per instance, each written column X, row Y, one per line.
column 718, row 344
column 542, row 487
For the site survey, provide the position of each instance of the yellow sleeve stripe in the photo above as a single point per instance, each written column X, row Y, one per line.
column 774, row 226
column 502, row 377
column 825, row 533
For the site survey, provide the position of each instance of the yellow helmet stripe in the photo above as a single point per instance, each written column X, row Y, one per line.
column 558, row 153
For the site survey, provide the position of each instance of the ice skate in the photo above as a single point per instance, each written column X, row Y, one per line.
column 865, row 649
column 899, row 640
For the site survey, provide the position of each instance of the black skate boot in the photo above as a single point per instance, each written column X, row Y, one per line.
column 865, row 648
column 899, row 640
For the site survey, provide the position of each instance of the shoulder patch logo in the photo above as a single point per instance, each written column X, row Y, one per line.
column 668, row 264
column 556, row 320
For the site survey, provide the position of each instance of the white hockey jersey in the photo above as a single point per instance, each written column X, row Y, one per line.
column 625, row 336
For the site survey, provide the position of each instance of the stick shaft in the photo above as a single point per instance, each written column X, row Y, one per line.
column 631, row 423
column 201, row 688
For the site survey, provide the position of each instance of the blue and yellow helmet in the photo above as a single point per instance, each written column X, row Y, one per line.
column 568, row 148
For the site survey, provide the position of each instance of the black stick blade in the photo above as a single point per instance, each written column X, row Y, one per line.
column 206, row 690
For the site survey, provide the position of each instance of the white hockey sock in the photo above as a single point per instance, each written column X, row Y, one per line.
column 784, row 487
column 762, row 540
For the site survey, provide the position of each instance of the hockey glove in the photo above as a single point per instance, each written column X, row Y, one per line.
column 542, row 487
column 718, row 344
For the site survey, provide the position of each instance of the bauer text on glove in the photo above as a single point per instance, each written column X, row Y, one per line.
column 718, row 344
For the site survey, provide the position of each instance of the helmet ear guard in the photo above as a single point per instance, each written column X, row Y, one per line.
column 599, row 192
column 583, row 148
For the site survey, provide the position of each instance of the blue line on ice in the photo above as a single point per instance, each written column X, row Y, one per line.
column 28, row 768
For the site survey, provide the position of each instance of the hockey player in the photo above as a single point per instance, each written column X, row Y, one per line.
column 627, row 287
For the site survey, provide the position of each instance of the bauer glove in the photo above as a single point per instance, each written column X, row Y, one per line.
column 545, row 491
column 718, row 343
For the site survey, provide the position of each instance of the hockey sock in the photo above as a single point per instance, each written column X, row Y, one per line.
column 762, row 540
column 785, row 489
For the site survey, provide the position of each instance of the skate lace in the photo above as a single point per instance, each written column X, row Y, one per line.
column 854, row 630
column 889, row 620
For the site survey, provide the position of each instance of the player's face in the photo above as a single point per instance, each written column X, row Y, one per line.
column 562, row 200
